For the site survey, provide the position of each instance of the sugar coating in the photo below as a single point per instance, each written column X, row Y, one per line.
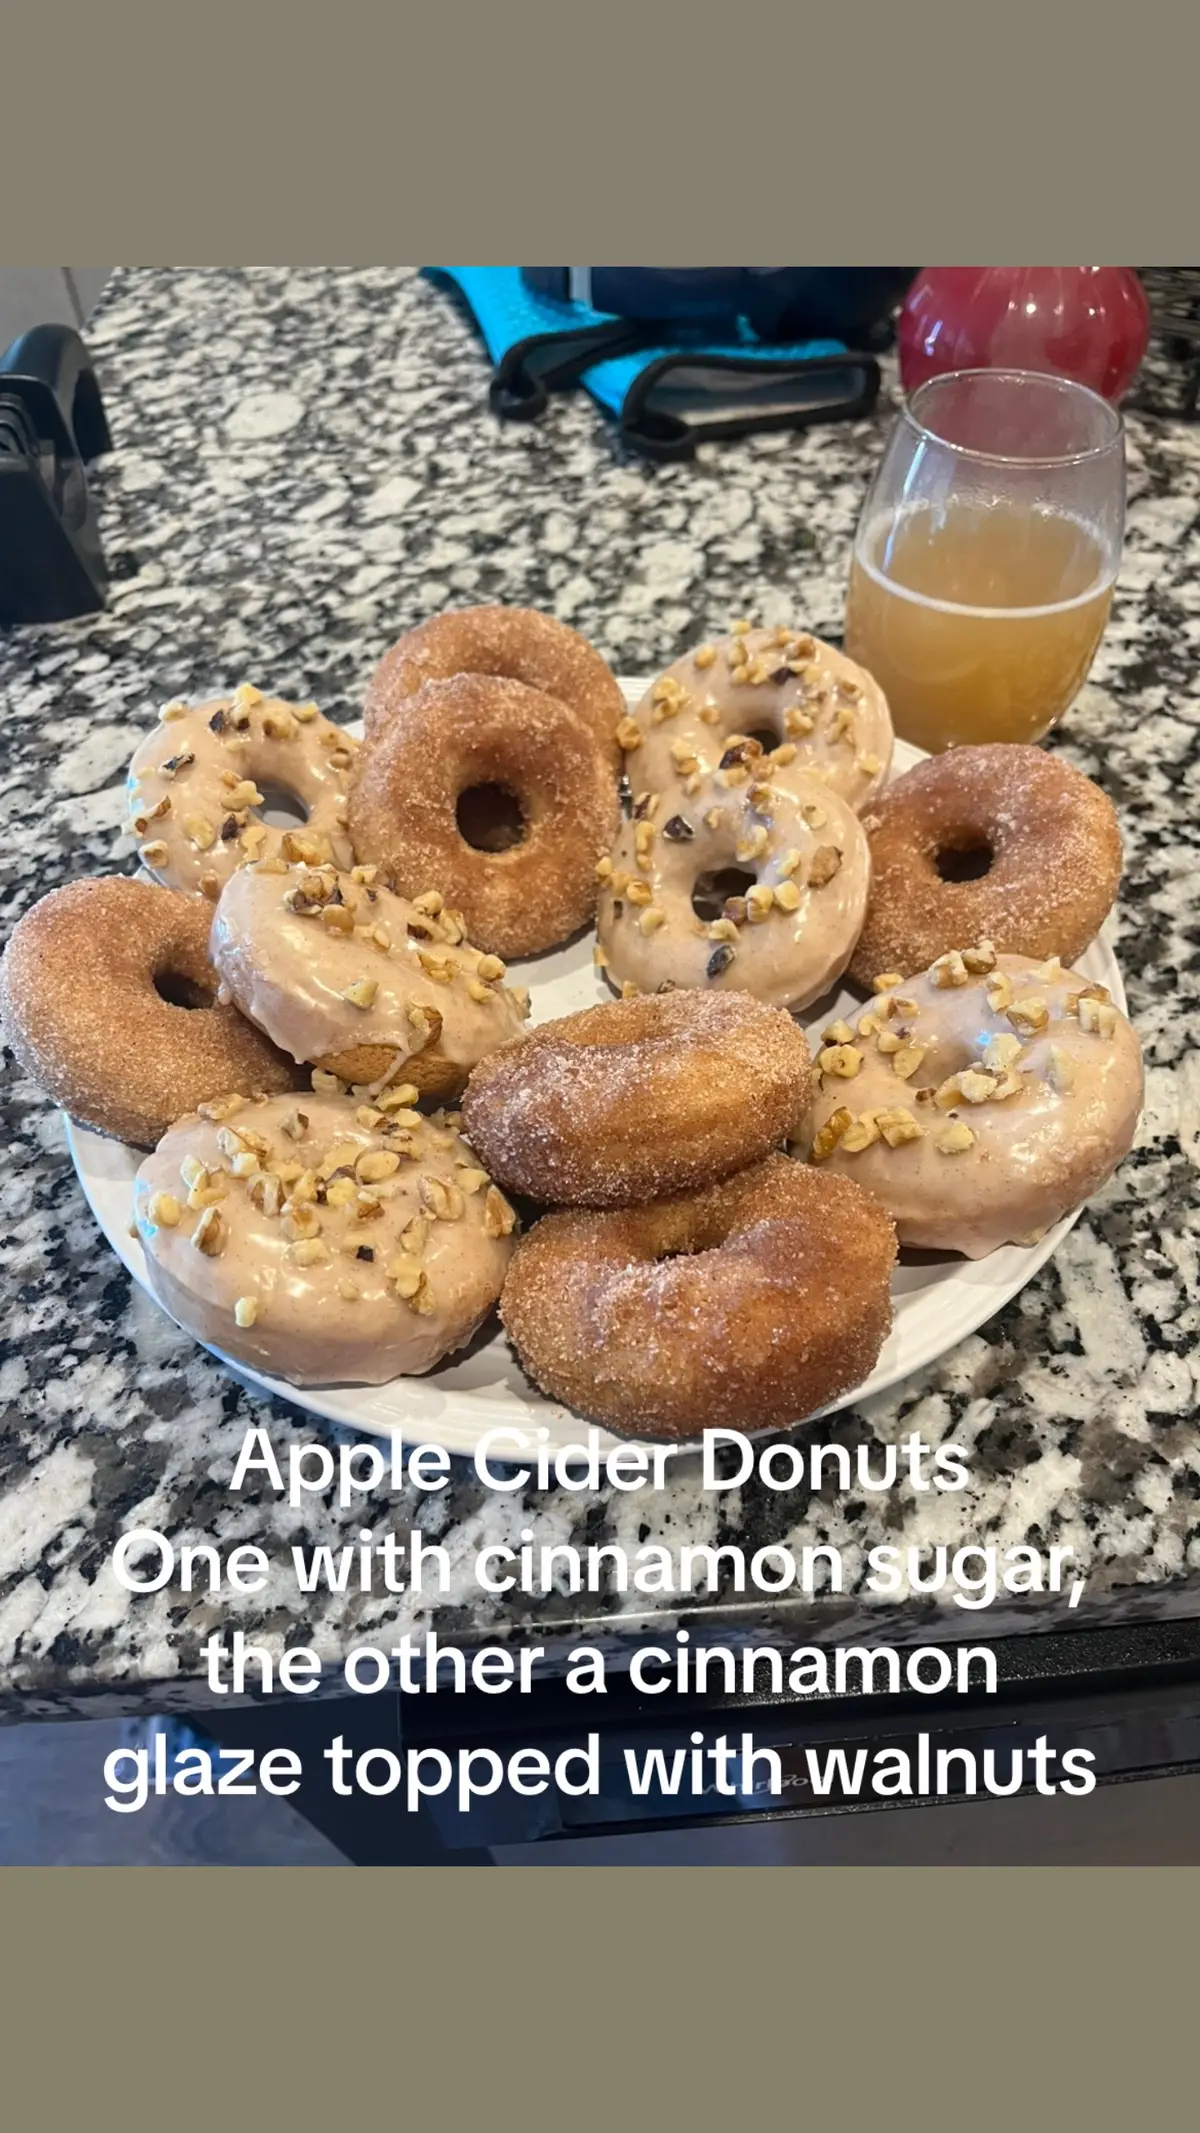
column 515, row 643
column 80, row 1009
column 1053, row 877
column 638, row 1098
column 478, row 730
column 749, row 1304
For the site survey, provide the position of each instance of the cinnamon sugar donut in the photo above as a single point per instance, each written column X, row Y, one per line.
column 109, row 1001
column 637, row 1098
column 750, row 1304
column 981, row 1101
column 475, row 735
column 361, row 983
column 1046, row 837
column 197, row 780
column 325, row 1244
column 813, row 710
column 514, row 643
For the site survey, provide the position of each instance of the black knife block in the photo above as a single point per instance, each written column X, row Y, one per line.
column 52, row 423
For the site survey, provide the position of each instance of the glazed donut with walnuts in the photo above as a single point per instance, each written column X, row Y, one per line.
column 739, row 884
column 474, row 735
column 109, row 1000
column 637, row 1098
column 195, row 787
column 361, row 983
column 1038, row 843
column 981, row 1101
column 510, row 643
column 748, row 1304
column 812, row 709
column 321, row 1240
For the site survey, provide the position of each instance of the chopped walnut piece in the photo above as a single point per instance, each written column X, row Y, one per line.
column 897, row 1126
column 266, row 1193
column 888, row 982
column 949, row 970
column 245, row 1311
column 955, row 1138
column 1028, row 1015
column 976, row 1084
column 375, row 1164
column 828, row 1136
column 199, row 831
column 1097, row 1017
column 499, row 1219
column 999, row 992
column 841, row 1060
column 164, row 1210
column 906, row 1061
column 980, row 960
column 209, row 1233
column 1001, row 1052
column 863, row 1133
column 825, row 863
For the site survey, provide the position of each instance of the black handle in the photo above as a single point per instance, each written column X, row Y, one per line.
column 52, row 421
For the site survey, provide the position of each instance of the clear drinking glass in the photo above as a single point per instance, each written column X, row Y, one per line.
column 986, row 553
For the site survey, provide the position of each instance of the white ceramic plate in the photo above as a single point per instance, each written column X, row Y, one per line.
column 938, row 1301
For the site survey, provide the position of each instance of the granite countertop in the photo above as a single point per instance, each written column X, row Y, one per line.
column 304, row 466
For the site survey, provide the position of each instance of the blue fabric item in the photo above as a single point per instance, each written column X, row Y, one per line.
column 508, row 312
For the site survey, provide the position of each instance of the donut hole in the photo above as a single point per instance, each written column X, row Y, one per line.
column 281, row 808
column 964, row 862
column 766, row 736
column 710, row 890
column 490, row 818
column 181, row 991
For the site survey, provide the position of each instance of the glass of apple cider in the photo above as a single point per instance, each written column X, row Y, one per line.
column 986, row 553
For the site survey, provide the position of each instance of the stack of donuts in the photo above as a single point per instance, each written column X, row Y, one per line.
column 287, row 1012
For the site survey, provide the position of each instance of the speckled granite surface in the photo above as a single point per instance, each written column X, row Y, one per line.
column 303, row 467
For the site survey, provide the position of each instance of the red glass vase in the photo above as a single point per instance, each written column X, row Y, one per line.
column 1087, row 323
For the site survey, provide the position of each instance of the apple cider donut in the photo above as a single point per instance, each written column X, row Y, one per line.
column 198, row 778
column 513, row 643
column 110, row 1003
column 981, row 1101
column 637, row 1098
column 458, row 742
column 808, row 705
column 343, row 974
column 741, row 885
column 1000, row 842
column 322, row 1241
column 749, row 1305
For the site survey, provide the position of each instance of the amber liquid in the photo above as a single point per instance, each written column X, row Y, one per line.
column 979, row 621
